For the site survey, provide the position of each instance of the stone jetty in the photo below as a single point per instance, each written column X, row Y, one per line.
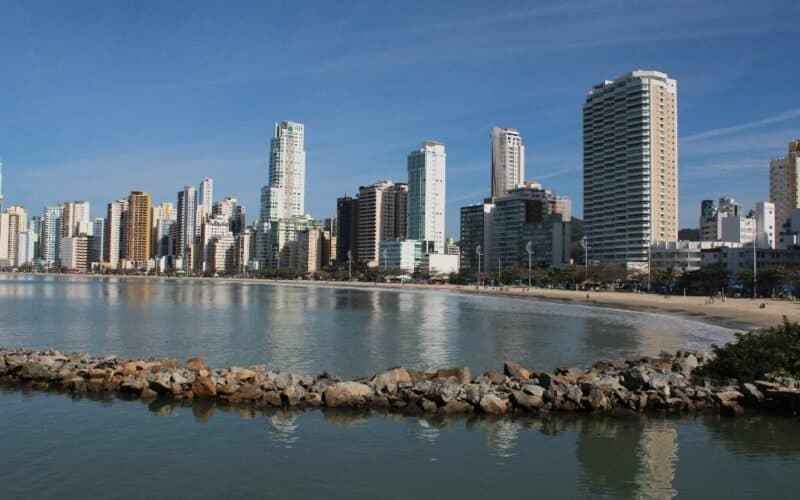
column 663, row 384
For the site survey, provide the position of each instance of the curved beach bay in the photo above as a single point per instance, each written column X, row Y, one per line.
column 207, row 452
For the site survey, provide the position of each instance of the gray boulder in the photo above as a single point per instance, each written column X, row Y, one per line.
column 347, row 394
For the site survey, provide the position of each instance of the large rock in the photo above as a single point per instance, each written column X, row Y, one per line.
column 527, row 402
column 473, row 393
column 196, row 364
column 248, row 392
column 389, row 381
column 636, row 378
column 533, row 390
column 242, row 374
column 133, row 385
column 515, row 370
column 347, row 394
column 38, row 371
column 457, row 408
column 596, row 400
column 443, row 391
column 204, row 387
column 494, row 405
column 293, row 394
column 462, row 375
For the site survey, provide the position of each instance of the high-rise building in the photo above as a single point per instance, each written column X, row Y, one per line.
column 205, row 203
column 5, row 234
column 382, row 208
column 212, row 228
column 162, row 219
column 229, row 209
column 306, row 255
column 113, row 239
column 1, row 186
column 17, row 222
column 205, row 195
column 96, row 242
column 276, row 250
column 185, row 229
column 784, row 183
column 50, row 235
column 138, row 229
column 766, row 232
column 75, row 253
column 630, row 166
column 713, row 215
column 35, row 225
column 287, row 173
column 329, row 229
column 426, row 194
column 75, row 219
column 244, row 242
column 530, row 214
column 225, row 207
column 26, row 247
column 346, row 228
column 476, row 231
column 221, row 254
column 507, row 154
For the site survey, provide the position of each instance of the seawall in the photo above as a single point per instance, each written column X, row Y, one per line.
column 663, row 384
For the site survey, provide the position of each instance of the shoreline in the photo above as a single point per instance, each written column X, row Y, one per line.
column 733, row 313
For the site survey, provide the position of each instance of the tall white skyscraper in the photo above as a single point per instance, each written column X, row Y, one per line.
column 205, row 195
column 630, row 166
column 287, row 173
column 75, row 219
column 765, row 229
column 187, row 222
column 50, row 234
column 113, row 237
column 426, row 194
column 205, row 203
column 507, row 152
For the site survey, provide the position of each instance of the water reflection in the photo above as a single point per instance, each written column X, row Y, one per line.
column 616, row 457
column 308, row 329
column 282, row 427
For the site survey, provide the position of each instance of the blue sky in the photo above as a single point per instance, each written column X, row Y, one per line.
column 100, row 98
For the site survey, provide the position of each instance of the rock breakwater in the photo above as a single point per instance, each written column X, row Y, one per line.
column 654, row 384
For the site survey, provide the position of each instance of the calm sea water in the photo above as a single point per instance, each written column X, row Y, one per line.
column 53, row 446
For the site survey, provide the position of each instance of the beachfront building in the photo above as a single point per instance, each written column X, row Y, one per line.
column 426, row 194
column 784, row 183
column 630, row 166
column 530, row 215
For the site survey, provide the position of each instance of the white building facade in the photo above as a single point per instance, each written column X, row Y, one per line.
column 630, row 166
column 507, row 154
column 287, row 171
column 426, row 194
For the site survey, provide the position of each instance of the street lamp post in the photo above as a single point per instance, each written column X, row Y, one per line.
column 585, row 242
column 755, row 270
column 649, row 265
column 529, row 249
column 499, row 271
column 478, row 253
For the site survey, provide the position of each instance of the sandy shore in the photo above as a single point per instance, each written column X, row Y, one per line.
column 734, row 313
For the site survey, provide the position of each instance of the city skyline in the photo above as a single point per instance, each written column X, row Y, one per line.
column 216, row 124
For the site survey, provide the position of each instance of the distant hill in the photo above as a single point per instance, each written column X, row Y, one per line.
column 689, row 234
